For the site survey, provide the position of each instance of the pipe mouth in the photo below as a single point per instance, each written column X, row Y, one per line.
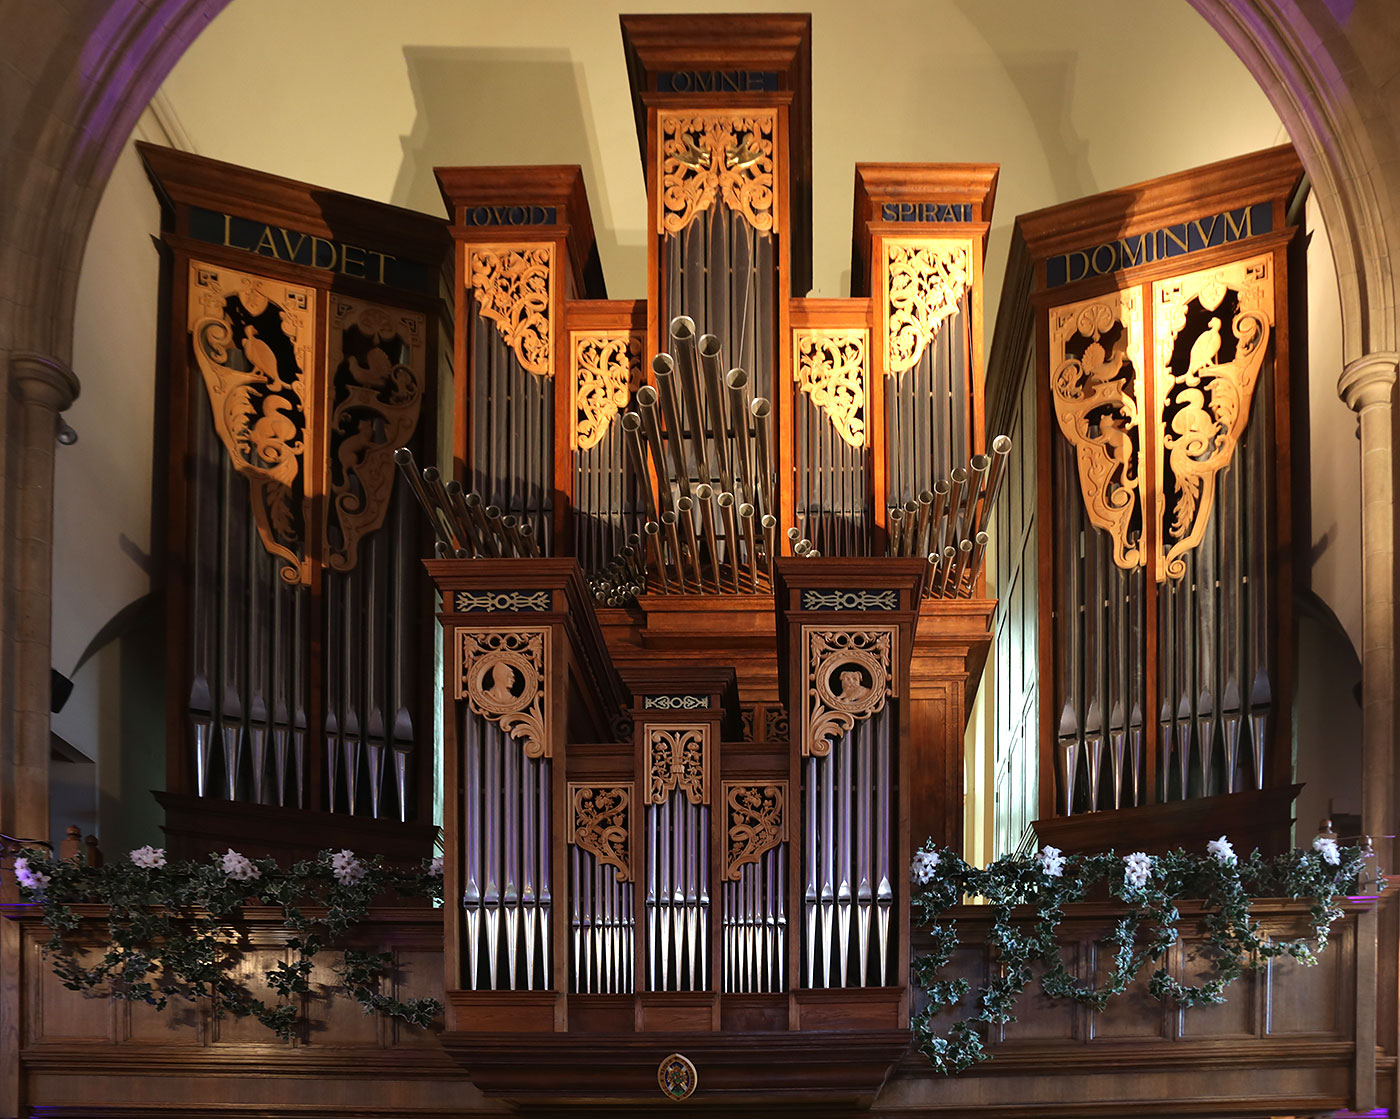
column 668, row 517
column 431, row 474
column 911, row 507
column 896, row 513
column 473, row 500
column 760, row 407
column 684, row 504
column 682, row 328
column 982, row 539
column 1002, row 444
column 925, row 497
column 493, row 512
column 646, row 396
column 746, row 510
column 980, row 463
column 703, row 491
column 510, row 520
column 959, row 475
column 403, row 456
column 941, row 487
column 453, row 488
column 768, row 520
column 736, row 379
column 663, row 365
column 526, row 528
column 651, row 528
column 725, row 500
column 709, row 345
column 631, row 421
column 965, row 546
column 794, row 534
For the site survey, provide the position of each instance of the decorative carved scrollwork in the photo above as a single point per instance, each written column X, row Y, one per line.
column 720, row 153
column 513, row 286
column 775, row 724
column 500, row 601
column 675, row 702
column 1097, row 387
column 755, row 822
column 607, row 371
column 502, row 675
column 831, row 369
column 1212, row 332
column 924, row 281
column 850, row 673
column 678, row 758
column 376, row 367
column 252, row 342
column 600, row 822
column 850, row 600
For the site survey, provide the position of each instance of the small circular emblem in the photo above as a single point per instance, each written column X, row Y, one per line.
column 677, row 1077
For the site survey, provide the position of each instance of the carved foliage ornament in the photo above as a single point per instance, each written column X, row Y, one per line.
column 717, row 154
column 924, row 281
column 831, row 369
column 252, row 340
column 600, row 822
column 1212, row 333
column 850, row 673
column 607, row 371
column 513, row 285
column 755, row 822
column 678, row 758
column 1096, row 383
column 377, row 367
column 502, row 676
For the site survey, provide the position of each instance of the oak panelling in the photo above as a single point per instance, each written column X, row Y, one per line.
column 1041, row 1019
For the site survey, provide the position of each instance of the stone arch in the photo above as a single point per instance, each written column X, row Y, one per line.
column 1330, row 68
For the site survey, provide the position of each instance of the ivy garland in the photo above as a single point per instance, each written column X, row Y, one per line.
column 167, row 927
column 1027, row 896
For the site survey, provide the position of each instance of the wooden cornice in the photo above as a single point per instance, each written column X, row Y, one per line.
column 193, row 180
column 1272, row 174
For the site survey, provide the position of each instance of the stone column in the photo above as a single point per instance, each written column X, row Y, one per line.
column 40, row 387
column 1367, row 386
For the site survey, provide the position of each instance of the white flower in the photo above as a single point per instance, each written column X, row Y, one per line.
column 435, row 866
column 1223, row 850
column 149, row 857
column 1137, row 869
column 33, row 880
column 922, row 867
column 1327, row 848
column 239, row 867
column 1052, row 861
column 347, row 869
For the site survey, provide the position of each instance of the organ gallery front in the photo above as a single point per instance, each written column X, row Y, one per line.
column 662, row 619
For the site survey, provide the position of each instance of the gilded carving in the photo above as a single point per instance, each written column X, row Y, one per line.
column 502, row 674
column 252, row 340
column 713, row 154
column 513, row 285
column 1212, row 332
column 850, row 673
column 377, row 362
column 607, row 371
column 755, row 822
column 831, row 369
column 924, row 281
column 600, row 822
column 1096, row 383
column 678, row 758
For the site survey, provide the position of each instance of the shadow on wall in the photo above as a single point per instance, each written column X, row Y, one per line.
column 1327, row 719
column 478, row 107
column 117, row 716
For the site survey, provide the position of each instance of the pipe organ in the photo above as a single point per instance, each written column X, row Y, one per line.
column 304, row 343
column 1163, row 384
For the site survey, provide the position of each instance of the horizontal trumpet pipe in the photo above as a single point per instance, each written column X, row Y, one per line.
column 510, row 524
column 737, row 382
column 1001, row 453
column 750, row 548
column 761, row 408
column 528, row 537
column 673, row 542
column 404, row 457
column 911, row 514
column 896, row 530
column 683, row 345
column 725, row 501
column 651, row 428
column 477, row 512
column 770, row 541
column 663, row 368
column 437, row 494
column 462, row 516
column 938, row 519
column 685, row 510
column 974, row 563
column 703, row 494
column 632, row 440
column 712, row 366
column 921, row 523
column 948, row 553
column 652, row 531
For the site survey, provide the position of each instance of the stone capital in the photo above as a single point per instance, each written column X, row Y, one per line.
column 39, row 379
column 1368, row 381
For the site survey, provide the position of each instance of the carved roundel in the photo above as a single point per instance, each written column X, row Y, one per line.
column 502, row 683
column 677, row 1077
column 849, row 676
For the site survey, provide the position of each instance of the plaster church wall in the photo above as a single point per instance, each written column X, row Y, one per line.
column 367, row 97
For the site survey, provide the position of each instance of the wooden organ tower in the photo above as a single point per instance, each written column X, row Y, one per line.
column 711, row 596
column 1154, row 323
